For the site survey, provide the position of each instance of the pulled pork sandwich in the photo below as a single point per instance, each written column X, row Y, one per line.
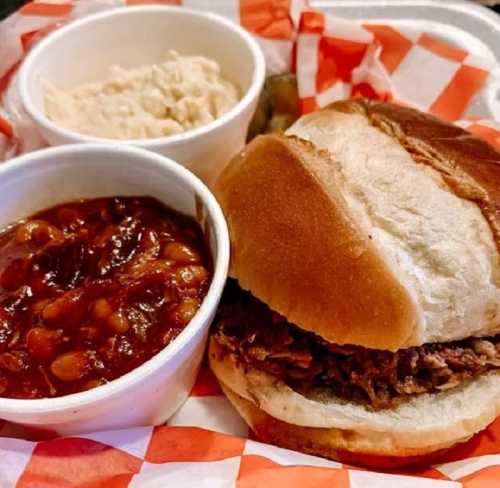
column 364, row 324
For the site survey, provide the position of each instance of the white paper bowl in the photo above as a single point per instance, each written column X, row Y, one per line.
column 153, row 391
column 82, row 51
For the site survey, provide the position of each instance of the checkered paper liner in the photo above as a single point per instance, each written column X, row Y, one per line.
column 206, row 443
column 217, row 453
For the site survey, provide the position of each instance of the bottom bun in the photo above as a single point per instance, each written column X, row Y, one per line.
column 415, row 432
column 318, row 442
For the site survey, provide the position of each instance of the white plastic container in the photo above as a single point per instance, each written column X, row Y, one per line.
column 83, row 50
column 151, row 393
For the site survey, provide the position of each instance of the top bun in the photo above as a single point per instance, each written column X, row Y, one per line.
column 371, row 224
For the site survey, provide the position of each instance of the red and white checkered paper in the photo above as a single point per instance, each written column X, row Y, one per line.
column 206, row 443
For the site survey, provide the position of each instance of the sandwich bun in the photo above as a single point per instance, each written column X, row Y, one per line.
column 320, row 424
column 370, row 224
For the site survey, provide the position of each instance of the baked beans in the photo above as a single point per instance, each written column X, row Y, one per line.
column 92, row 289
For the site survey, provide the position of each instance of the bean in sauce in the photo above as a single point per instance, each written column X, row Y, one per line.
column 92, row 289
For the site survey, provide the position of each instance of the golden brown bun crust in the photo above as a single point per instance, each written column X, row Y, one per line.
column 295, row 247
column 470, row 166
column 328, row 443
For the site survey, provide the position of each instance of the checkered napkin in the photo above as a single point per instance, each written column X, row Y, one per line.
column 217, row 453
column 206, row 444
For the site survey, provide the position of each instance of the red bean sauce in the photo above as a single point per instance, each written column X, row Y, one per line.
column 92, row 289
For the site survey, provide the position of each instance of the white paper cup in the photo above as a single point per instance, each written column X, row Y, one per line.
column 152, row 392
column 83, row 50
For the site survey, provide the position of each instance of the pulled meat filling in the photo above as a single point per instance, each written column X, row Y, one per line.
column 261, row 338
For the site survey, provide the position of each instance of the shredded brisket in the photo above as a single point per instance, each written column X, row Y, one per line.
column 261, row 338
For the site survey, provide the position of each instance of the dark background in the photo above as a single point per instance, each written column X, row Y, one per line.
column 7, row 6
